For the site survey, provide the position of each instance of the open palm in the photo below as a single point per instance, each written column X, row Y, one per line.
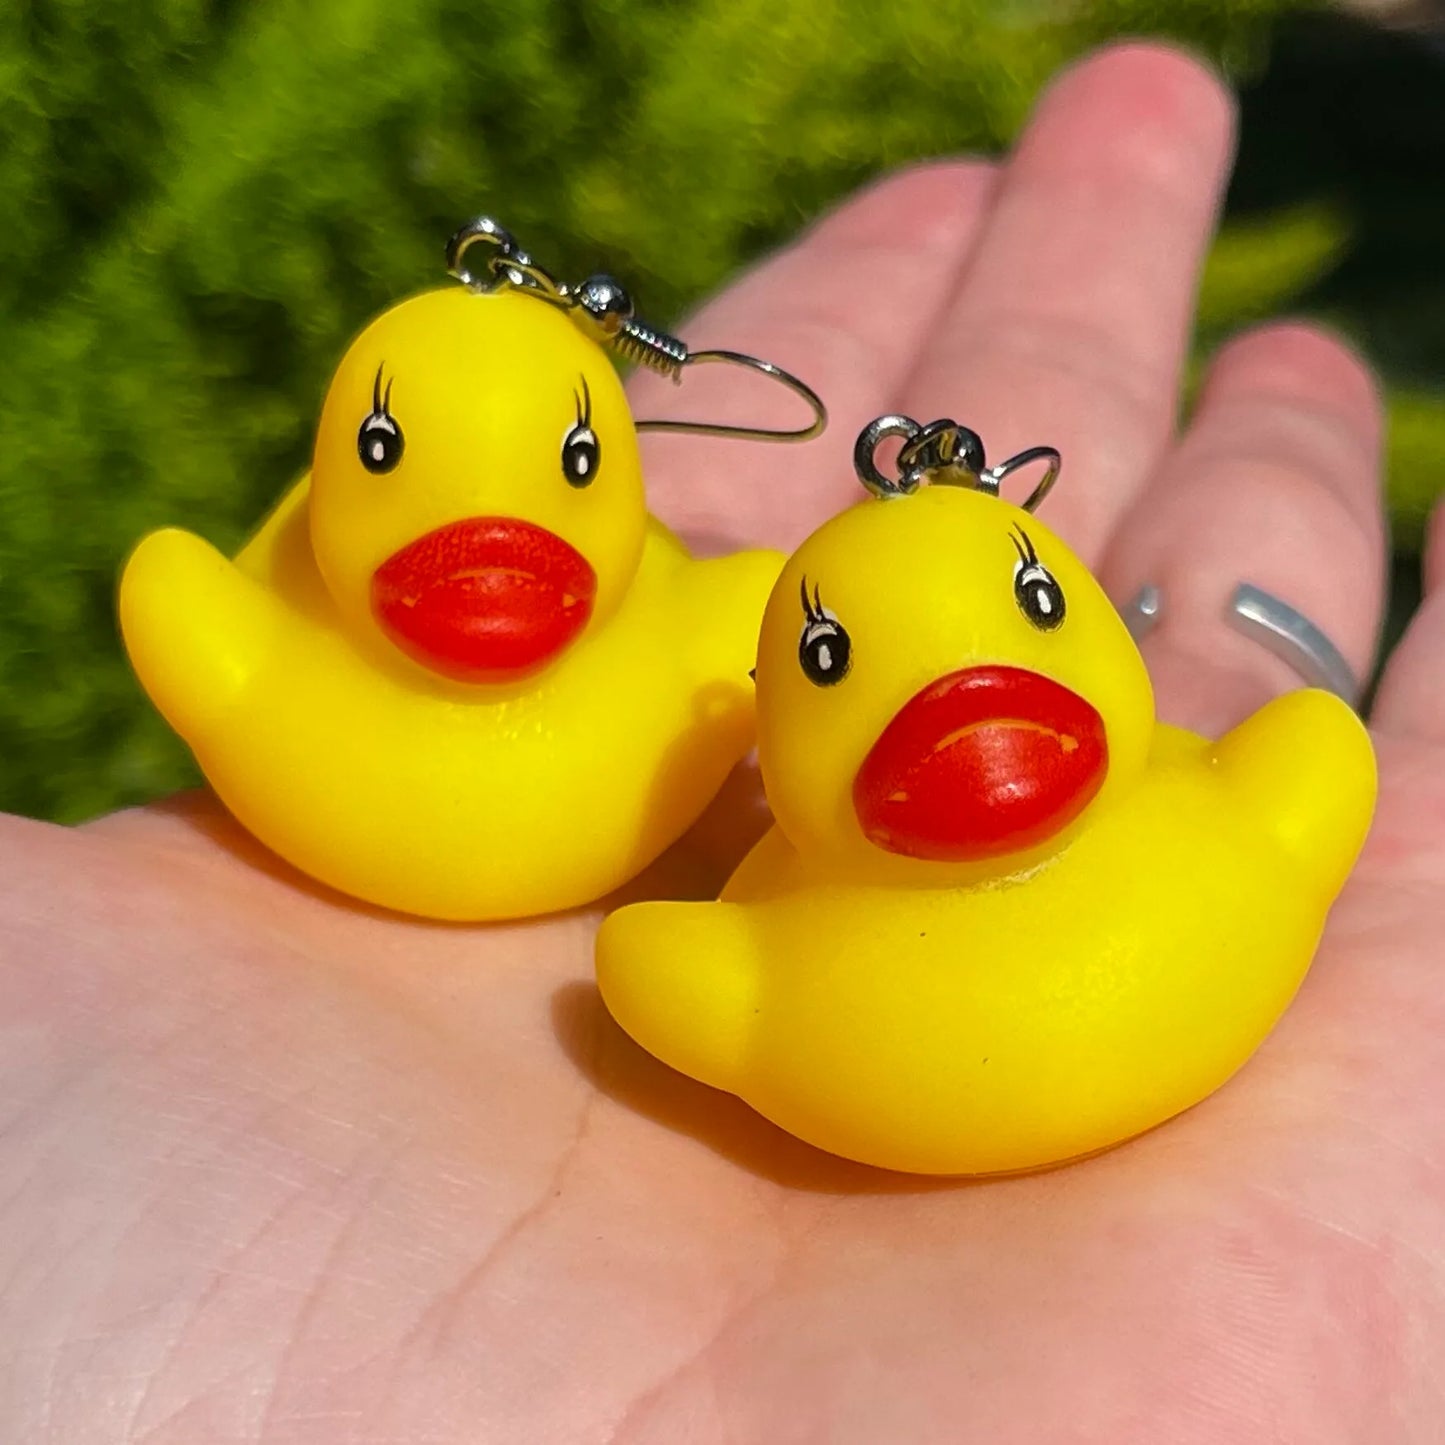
column 278, row 1168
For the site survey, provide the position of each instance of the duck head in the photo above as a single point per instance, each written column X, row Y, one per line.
column 943, row 689
column 476, row 494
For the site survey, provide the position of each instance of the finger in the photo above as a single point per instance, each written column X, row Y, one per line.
column 1410, row 701
column 1275, row 484
column 1070, row 323
column 844, row 309
column 1432, row 565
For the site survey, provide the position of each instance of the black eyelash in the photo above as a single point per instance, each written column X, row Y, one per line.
column 812, row 607
column 584, row 403
column 381, row 405
column 807, row 604
column 1024, row 547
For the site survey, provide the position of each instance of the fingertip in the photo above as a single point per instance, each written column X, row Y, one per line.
column 1432, row 562
column 1162, row 73
column 1135, row 94
column 1299, row 362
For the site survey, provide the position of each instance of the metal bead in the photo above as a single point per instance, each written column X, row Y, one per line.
column 942, row 453
column 967, row 452
column 606, row 301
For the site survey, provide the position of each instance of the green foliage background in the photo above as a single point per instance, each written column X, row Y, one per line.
column 203, row 199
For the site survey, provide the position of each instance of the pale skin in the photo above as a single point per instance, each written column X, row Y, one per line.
column 276, row 1168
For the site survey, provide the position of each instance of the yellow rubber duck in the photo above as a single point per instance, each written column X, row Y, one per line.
column 460, row 671
column 1004, row 919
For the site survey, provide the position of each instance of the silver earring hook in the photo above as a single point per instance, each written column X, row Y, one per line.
column 943, row 453
column 603, row 308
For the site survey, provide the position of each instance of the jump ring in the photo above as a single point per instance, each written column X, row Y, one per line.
column 867, row 444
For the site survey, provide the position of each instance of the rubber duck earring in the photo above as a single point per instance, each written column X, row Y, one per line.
column 460, row 671
column 1005, row 918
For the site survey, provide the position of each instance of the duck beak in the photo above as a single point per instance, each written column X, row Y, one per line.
column 484, row 599
column 982, row 762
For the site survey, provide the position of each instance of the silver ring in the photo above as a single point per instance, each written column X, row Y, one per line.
column 879, row 430
column 1275, row 625
column 486, row 230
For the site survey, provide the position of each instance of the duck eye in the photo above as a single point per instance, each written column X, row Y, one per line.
column 581, row 454
column 824, row 649
column 824, row 652
column 581, row 451
column 380, row 443
column 1039, row 597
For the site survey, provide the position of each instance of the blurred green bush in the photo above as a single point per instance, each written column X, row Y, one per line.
column 205, row 198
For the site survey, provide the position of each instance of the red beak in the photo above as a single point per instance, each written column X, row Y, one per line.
column 982, row 762
column 487, row 599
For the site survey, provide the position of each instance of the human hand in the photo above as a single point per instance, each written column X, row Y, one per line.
column 278, row 1168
